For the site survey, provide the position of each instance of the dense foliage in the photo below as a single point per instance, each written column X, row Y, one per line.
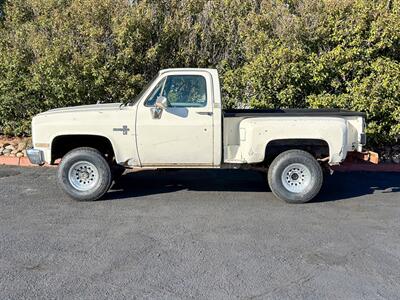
column 270, row 53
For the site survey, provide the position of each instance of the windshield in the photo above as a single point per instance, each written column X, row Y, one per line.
column 136, row 99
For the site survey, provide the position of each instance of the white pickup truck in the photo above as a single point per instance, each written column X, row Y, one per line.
column 177, row 121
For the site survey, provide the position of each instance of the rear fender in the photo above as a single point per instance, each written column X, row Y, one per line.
column 256, row 133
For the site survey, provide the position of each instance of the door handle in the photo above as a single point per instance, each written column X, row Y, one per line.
column 205, row 113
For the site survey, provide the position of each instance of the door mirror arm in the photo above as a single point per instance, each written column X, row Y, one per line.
column 156, row 112
column 160, row 105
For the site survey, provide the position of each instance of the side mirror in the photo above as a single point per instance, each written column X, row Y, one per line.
column 161, row 102
column 160, row 105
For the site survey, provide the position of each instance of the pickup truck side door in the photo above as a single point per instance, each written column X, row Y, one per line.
column 183, row 134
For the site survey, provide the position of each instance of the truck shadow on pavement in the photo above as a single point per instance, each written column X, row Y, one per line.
column 339, row 186
column 151, row 182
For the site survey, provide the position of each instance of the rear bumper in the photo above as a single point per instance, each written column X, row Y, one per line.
column 35, row 156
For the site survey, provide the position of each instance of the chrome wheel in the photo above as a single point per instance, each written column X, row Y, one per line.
column 296, row 178
column 83, row 176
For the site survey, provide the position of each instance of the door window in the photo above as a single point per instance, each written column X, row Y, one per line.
column 151, row 100
column 181, row 91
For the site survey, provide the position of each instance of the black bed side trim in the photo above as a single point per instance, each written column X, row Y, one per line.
column 290, row 112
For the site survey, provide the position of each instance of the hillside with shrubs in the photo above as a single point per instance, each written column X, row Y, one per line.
column 270, row 54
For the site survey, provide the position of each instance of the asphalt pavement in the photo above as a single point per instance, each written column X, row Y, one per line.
column 199, row 235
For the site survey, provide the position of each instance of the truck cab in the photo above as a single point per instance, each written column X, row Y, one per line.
column 177, row 121
column 187, row 131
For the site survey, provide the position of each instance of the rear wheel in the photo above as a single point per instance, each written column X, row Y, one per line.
column 295, row 176
column 84, row 174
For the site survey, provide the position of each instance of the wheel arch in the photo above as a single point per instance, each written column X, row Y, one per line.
column 62, row 144
column 319, row 148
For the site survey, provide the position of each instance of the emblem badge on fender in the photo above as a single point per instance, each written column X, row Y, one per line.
column 124, row 129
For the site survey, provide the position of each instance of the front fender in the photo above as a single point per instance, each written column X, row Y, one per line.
column 107, row 124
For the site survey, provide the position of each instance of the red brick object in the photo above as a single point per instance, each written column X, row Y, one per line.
column 16, row 161
column 9, row 160
column 345, row 167
column 367, row 167
column 24, row 162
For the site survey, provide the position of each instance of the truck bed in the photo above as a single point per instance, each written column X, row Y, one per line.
column 333, row 112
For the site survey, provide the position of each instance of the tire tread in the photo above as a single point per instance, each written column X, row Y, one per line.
column 274, row 176
column 98, row 160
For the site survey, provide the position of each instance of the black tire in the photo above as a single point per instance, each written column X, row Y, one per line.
column 92, row 157
column 291, row 162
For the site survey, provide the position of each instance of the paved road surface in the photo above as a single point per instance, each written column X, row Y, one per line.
column 199, row 234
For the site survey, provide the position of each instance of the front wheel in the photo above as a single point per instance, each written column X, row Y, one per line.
column 295, row 176
column 84, row 174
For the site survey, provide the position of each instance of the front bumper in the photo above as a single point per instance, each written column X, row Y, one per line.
column 35, row 156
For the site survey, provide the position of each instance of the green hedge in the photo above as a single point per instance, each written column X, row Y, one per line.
column 293, row 53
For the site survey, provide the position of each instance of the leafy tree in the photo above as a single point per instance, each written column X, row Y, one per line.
column 1, row 9
column 281, row 53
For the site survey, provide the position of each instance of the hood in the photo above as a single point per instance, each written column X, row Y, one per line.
column 84, row 108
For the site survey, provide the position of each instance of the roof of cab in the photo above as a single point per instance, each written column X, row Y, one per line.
column 185, row 69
